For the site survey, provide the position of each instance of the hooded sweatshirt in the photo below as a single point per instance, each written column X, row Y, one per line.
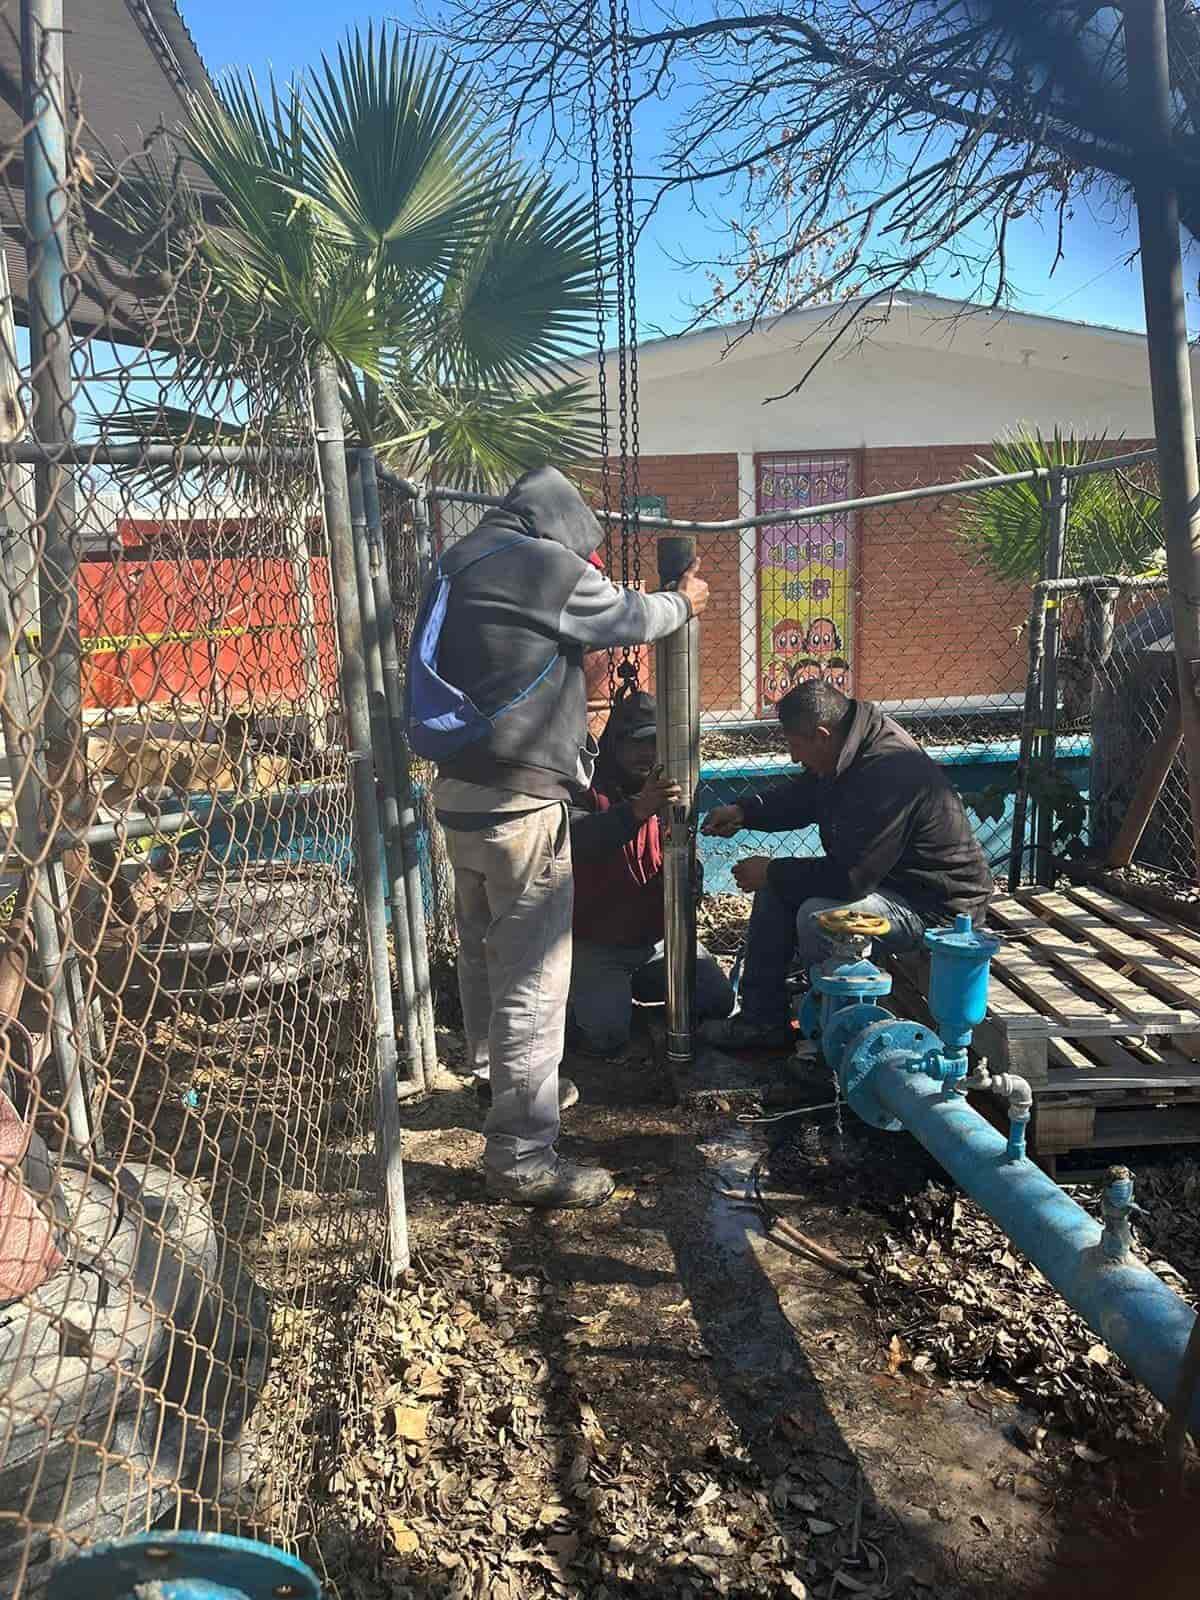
column 888, row 819
column 617, row 861
column 538, row 602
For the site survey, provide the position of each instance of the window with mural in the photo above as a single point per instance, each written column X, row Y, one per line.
column 805, row 576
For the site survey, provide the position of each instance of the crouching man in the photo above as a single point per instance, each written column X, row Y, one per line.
column 897, row 845
column 616, row 848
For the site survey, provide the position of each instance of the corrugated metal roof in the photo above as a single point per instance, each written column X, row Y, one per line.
column 131, row 65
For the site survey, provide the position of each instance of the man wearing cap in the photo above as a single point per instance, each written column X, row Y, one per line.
column 616, row 849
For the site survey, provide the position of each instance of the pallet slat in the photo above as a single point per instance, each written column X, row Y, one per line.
column 1169, row 937
column 1017, row 968
column 1161, row 972
column 1107, row 1064
column 1097, row 1003
column 1081, row 962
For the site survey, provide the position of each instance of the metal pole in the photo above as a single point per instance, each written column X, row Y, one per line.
column 47, row 190
column 1055, row 514
column 54, row 546
column 1170, row 373
column 422, row 538
column 393, row 694
column 829, row 508
column 300, row 559
column 327, row 413
column 385, row 777
column 28, row 792
column 1029, row 717
column 677, row 688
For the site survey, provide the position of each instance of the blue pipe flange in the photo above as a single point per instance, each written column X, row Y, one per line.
column 891, row 1040
column 840, row 1032
column 854, row 979
column 183, row 1566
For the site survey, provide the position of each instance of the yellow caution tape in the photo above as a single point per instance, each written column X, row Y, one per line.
column 113, row 644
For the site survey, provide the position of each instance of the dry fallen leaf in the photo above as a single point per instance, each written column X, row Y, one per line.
column 411, row 1423
column 1086, row 1453
column 898, row 1353
column 404, row 1540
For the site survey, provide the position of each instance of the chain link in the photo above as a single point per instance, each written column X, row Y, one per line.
column 620, row 111
column 601, row 342
column 627, row 204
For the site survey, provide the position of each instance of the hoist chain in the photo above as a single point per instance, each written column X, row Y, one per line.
column 618, row 19
column 602, row 365
column 626, row 205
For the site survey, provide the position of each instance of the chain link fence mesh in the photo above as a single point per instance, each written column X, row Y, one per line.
column 188, row 1190
column 189, row 1204
column 920, row 598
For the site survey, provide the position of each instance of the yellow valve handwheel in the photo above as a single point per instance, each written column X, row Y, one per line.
column 853, row 924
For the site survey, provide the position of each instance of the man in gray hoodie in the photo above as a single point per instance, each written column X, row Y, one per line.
column 525, row 603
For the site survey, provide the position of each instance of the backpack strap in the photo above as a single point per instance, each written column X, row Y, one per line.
column 475, row 560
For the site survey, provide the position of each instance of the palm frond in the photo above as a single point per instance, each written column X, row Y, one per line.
column 520, row 301
column 1114, row 526
column 483, row 439
column 396, row 155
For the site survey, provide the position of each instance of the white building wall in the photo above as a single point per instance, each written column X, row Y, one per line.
column 928, row 374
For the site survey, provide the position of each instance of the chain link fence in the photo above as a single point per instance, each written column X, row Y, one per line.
column 196, row 1053
column 208, row 815
column 922, row 599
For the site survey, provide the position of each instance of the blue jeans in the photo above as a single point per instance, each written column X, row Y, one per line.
column 782, row 936
column 607, row 979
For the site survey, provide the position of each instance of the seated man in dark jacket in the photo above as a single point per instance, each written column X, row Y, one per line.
column 616, row 848
column 897, row 844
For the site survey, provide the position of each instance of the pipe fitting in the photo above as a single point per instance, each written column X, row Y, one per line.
column 1116, row 1207
column 1016, row 1092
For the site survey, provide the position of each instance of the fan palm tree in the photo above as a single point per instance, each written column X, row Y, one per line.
column 368, row 211
column 1114, row 525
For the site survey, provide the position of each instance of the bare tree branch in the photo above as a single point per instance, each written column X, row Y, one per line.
column 848, row 145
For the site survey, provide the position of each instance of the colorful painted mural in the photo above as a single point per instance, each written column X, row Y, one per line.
column 805, row 576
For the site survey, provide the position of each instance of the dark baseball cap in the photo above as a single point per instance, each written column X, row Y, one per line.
column 635, row 717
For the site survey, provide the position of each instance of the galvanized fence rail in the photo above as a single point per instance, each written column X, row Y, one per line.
column 1030, row 687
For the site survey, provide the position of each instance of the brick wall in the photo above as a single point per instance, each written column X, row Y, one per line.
column 933, row 622
column 702, row 488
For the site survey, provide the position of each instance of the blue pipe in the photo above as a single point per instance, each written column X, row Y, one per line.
column 1130, row 1307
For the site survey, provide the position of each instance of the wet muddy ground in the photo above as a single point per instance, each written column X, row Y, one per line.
column 658, row 1399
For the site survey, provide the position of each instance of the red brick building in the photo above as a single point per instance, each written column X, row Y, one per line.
column 885, row 600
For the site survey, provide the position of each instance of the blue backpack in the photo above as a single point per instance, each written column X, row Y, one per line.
column 441, row 718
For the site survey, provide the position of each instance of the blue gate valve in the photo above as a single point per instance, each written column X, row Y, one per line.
column 183, row 1566
column 847, row 977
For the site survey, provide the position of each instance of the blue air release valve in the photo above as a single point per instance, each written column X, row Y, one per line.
column 959, row 961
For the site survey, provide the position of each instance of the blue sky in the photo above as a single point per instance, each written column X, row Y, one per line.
column 1092, row 283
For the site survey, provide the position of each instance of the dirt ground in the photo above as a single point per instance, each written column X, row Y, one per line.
column 655, row 1398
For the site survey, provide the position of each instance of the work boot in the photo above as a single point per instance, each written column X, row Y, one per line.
column 566, row 1185
column 742, row 1033
column 568, row 1094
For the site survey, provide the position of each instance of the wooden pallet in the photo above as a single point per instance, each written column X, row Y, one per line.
column 1097, row 1003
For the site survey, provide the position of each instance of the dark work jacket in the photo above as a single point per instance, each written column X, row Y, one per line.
column 536, row 603
column 889, row 821
column 617, row 862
